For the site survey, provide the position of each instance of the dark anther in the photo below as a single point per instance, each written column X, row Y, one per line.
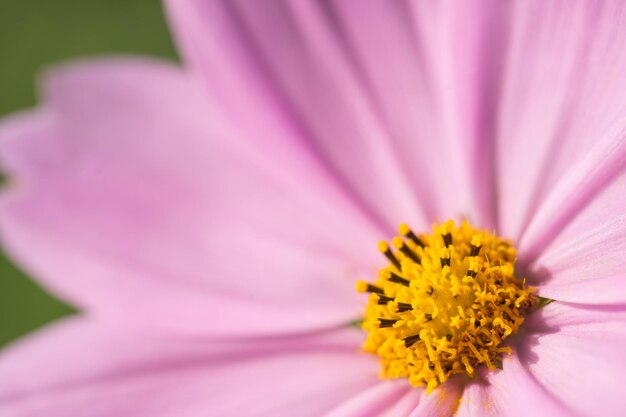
column 476, row 323
column 448, row 337
column 387, row 322
column 392, row 258
column 409, row 253
column 383, row 300
column 399, row 280
column 471, row 273
column 414, row 238
column 475, row 250
column 445, row 262
column 411, row 340
column 430, row 291
column 374, row 288
column 447, row 239
column 429, row 317
column 402, row 307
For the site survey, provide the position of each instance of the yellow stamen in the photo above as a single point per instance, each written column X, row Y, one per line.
column 361, row 286
column 444, row 305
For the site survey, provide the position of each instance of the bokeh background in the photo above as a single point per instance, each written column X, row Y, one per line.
column 34, row 35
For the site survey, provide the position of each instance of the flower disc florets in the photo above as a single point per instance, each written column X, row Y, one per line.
column 445, row 304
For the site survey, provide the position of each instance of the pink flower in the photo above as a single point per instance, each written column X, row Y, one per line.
column 210, row 221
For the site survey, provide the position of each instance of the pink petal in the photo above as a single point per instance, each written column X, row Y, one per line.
column 354, row 84
column 433, row 118
column 460, row 46
column 442, row 402
column 405, row 405
column 477, row 401
column 135, row 198
column 512, row 392
column 579, row 356
column 373, row 401
column 586, row 263
column 560, row 115
column 603, row 163
column 80, row 368
column 256, row 58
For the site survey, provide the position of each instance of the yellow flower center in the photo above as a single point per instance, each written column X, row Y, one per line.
column 445, row 304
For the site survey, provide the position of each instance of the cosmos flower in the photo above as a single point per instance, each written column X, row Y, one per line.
column 212, row 220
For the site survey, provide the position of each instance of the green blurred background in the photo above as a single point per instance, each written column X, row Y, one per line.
column 36, row 34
